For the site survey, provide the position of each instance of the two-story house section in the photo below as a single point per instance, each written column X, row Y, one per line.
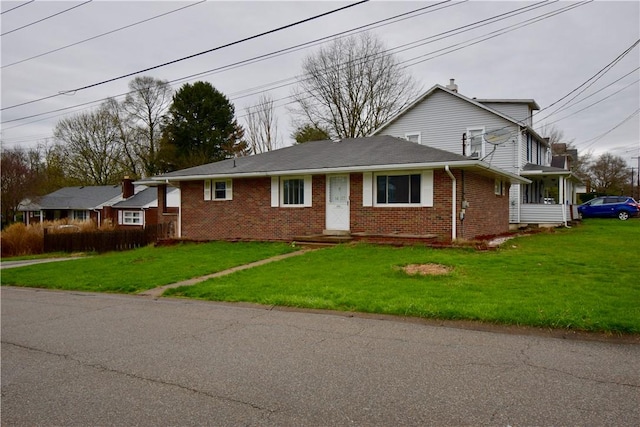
column 497, row 132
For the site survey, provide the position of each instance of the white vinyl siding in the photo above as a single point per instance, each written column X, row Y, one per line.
column 518, row 111
column 442, row 118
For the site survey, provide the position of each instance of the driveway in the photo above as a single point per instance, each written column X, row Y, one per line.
column 71, row 358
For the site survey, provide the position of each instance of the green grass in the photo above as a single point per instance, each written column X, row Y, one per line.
column 585, row 278
column 141, row 269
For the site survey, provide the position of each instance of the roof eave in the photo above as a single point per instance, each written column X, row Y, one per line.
column 463, row 164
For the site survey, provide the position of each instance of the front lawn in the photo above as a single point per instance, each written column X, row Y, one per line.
column 141, row 269
column 585, row 278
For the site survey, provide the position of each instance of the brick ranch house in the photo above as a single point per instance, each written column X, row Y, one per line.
column 371, row 187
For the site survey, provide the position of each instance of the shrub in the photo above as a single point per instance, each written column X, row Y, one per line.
column 18, row 239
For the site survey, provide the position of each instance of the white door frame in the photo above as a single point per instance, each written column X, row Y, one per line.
column 338, row 214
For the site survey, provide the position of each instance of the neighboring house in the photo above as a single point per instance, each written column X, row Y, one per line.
column 141, row 209
column 75, row 203
column 374, row 187
column 498, row 132
column 124, row 205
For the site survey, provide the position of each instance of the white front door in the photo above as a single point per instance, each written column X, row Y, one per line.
column 338, row 202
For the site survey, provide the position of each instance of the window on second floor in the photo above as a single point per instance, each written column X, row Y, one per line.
column 475, row 143
column 413, row 137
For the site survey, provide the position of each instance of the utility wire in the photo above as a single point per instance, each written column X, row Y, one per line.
column 73, row 91
column 296, row 78
column 597, row 102
column 45, row 18
column 250, row 60
column 15, row 7
column 599, row 137
column 102, row 35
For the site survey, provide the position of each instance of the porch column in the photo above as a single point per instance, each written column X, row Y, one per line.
column 562, row 190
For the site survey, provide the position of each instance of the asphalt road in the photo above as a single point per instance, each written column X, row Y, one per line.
column 73, row 358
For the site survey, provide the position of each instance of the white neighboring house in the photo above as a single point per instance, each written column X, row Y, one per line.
column 499, row 132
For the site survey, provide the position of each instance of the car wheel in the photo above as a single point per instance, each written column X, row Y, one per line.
column 623, row 215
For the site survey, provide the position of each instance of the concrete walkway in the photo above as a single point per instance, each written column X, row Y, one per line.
column 157, row 292
column 25, row 262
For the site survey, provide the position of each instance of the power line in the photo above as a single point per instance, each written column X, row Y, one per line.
column 73, row 91
column 599, row 137
column 103, row 34
column 45, row 18
column 250, row 60
column 596, row 76
column 597, row 102
column 294, row 79
column 15, row 7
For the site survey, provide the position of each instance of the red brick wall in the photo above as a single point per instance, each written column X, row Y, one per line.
column 488, row 213
column 250, row 215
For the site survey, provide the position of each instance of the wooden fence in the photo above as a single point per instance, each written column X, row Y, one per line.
column 102, row 241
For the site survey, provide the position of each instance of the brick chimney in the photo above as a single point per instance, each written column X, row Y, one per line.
column 452, row 86
column 127, row 187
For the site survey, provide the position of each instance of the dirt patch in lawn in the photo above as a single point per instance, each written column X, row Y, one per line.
column 426, row 269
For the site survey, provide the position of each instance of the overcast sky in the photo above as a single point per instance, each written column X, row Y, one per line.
column 544, row 61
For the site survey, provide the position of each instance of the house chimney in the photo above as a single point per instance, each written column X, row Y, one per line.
column 452, row 86
column 127, row 187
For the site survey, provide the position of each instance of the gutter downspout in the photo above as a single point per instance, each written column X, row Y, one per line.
column 454, row 217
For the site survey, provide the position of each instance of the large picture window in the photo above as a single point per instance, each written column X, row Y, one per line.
column 398, row 189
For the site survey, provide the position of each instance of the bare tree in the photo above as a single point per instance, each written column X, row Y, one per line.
column 91, row 149
column 351, row 87
column 147, row 103
column 16, row 182
column 608, row 174
column 130, row 137
column 262, row 126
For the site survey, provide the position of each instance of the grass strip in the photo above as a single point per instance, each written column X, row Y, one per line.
column 141, row 269
column 585, row 278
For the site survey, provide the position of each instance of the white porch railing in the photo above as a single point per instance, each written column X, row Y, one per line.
column 544, row 214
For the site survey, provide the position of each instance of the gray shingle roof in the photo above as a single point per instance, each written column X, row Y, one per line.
column 530, row 167
column 355, row 152
column 88, row 197
column 139, row 200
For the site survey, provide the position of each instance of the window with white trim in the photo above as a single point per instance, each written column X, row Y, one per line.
column 80, row 215
column 291, row 191
column 218, row 189
column 398, row 189
column 475, row 143
column 499, row 187
column 131, row 218
column 413, row 137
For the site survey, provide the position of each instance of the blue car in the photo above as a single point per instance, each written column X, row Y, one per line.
column 621, row 207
